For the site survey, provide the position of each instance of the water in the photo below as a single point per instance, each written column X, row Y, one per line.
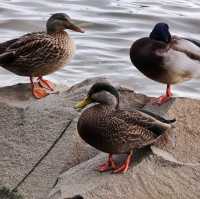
column 111, row 26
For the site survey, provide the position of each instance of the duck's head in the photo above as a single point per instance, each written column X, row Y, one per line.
column 161, row 32
column 59, row 22
column 102, row 93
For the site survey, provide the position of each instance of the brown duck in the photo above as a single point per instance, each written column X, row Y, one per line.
column 40, row 53
column 114, row 131
column 166, row 58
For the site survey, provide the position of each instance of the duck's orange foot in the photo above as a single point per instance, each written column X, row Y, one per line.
column 46, row 84
column 39, row 92
column 125, row 166
column 162, row 99
column 110, row 164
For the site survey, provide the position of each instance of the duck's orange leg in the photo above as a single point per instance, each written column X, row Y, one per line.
column 46, row 84
column 124, row 167
column 37, row 91
column 164, row 98
column 110, row 164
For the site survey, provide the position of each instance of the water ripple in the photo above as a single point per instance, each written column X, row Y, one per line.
column 111, row 27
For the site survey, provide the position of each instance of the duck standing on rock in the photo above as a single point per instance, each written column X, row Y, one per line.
column 40, row 53
column 114, row 131
column 165, row 58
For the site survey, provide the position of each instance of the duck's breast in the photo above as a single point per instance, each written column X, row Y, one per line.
column 95, row 127
column 68, row 48
column 61, row 54
column 90, row 126
column 65, row 49
column 144, row 57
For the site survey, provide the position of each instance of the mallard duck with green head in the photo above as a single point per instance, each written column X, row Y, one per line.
column 40, row 53
column 111, row 130
column 165, row 58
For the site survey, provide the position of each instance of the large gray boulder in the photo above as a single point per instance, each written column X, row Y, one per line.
column 148, row 177
column 28, row 127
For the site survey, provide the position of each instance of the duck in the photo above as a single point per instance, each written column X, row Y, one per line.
column 108, row 128
column 40, row 53
column 166, row 58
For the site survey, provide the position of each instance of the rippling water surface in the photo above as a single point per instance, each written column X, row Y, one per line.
column 111, row 26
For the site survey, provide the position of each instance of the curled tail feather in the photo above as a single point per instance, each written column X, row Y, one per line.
column 6, row 58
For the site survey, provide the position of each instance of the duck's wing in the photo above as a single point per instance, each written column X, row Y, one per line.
column 188, row 46
column 27, row 40
column 33, row 45
column 145, row 120
column 194, row 41
column 130, row 130
column 120, row 131
column 6, row 44
column 181, row 61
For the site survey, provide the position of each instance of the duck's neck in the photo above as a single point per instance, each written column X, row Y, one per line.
column 58, row 34
column 112, row 102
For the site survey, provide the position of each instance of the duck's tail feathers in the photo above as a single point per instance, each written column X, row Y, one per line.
column 160, row 118
column 6, row 58
column 169, row 121
column 169, row 157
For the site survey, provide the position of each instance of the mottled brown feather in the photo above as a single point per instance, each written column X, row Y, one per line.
column 38, row 54
column 118, row 131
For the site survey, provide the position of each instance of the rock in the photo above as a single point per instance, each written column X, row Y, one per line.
column 147, row 179
column 29, row 127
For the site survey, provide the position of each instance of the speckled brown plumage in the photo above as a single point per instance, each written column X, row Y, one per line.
column 118, row 131
column 114, row 131
column 38, row 54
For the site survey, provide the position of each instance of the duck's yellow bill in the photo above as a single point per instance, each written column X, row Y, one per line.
column 83, row 103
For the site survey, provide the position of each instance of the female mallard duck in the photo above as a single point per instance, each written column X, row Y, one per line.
column 114, row 131
column 40, row 53
column 165, row 58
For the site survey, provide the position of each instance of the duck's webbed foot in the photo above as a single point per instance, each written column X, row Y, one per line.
column 39, row 92
column 164, row 98
column 41, row 88
column 125, row 166
column 110, row 164
column 46, row 84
